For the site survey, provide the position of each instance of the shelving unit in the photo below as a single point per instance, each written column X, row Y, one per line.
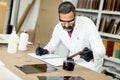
column 98, row 14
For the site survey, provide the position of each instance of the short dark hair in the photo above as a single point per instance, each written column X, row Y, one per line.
column 66, row 7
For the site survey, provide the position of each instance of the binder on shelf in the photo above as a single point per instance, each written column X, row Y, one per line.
column 104, row 4
column 102, row 26
column 118, row 31
column 84, row 4
column 117, row 5
column 117, row 53
column 108, row 5
column 109, row 50
column 88, row 4
column 118, row 28
column 112, row 5
column 95, row 4
column 79, row 4
column 111, row 47
column 98, row 4
column 91, row 1
column 116, row 49
column 111, row 26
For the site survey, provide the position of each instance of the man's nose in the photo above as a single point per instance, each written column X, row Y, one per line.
column 66, row 24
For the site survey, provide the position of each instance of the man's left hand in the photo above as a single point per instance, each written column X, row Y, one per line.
column 86, row 54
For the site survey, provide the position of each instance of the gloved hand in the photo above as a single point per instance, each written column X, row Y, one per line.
column 40, row 51
column 86, row 54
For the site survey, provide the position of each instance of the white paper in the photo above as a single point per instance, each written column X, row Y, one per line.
column 49, row 58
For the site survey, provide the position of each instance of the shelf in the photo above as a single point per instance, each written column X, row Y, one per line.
column 113, row 36
column 87, row 10
column 111, row 12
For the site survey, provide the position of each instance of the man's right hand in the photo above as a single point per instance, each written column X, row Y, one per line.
column 40, row 51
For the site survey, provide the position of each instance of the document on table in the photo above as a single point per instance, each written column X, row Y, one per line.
column 6, row 74
column 52, row 59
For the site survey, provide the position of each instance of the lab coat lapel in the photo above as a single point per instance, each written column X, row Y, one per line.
column 75, row 33
column 69, row 41
column 66, row 39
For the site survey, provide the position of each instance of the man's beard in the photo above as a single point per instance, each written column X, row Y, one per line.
column 69, row 28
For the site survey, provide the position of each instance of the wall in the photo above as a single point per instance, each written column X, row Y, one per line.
column 47, row 19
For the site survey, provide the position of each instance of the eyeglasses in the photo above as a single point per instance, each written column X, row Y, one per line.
column 69, row 22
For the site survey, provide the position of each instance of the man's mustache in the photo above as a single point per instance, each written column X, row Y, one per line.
column 69, row 28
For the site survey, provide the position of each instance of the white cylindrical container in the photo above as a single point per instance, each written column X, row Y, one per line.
column 23, row 42
column 12, row 42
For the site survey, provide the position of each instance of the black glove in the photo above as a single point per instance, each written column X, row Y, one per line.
column 86, row 54
column 40, row 51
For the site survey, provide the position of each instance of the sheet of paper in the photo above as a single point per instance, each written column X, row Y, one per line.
column 49, row 58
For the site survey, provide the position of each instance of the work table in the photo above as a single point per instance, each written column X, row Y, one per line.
column 21, row 58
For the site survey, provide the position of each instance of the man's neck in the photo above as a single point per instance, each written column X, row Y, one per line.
column 70, row 32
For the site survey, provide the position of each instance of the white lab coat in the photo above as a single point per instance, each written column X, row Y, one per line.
column 85, row 34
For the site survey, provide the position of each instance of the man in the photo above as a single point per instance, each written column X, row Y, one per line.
column 77, row 33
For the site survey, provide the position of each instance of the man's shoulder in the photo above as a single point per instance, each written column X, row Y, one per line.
column 84, row 20
column 58, row 26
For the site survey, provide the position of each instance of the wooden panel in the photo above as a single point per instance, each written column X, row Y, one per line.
column 3, row 11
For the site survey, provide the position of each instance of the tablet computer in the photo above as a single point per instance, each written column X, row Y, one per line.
column 36, row 68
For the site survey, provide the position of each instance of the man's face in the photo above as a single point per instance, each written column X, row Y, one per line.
column 67, row 20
